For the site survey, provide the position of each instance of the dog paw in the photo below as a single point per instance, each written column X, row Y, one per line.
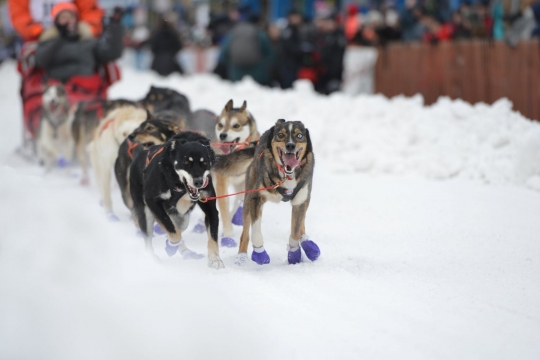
column 191, row 255
column 241, row 259
column 215, row 263
column 311, row 249
column 199, row 228
column 228, row 242
column 237, row 218
column 171, row 249
column 62, row 162
column 158, row 230
column 294, row 256
column 112, row 217
column 260, row 258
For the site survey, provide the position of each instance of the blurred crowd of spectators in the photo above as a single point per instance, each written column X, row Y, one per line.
column 278, row 53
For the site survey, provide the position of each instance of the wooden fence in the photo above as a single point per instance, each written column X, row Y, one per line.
column 473, row 70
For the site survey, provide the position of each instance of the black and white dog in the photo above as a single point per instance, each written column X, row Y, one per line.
column 166, row 182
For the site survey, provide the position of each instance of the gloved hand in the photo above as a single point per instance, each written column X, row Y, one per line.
column 118, row 12
column 63, row 30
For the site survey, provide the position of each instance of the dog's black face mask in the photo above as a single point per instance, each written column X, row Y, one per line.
column 290, row 143
column 192, row 162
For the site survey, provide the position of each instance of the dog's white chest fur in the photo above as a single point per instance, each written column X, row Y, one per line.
column 183, row 205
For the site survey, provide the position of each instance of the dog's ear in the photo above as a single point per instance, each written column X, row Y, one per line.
column 149, row 115
column 173, row 127
column 270, row 137
column 309, row 147
column 280, row 121
column 229, row 105
column 244, row 106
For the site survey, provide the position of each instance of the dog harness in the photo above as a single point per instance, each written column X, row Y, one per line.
column 131, row 146
column 150, row 158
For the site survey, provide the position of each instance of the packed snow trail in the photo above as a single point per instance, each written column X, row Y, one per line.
column 411, row 268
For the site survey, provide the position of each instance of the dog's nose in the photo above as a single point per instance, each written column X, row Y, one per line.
column 131, row 137
column 222, row 136
column 290, row 146
column 198, row 182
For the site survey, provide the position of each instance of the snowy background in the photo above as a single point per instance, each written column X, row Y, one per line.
column 427, row 219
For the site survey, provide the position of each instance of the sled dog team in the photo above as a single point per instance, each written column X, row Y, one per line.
column 168, row 159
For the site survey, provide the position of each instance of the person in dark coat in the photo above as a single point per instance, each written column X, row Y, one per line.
column 248, row 51
column 165, row 44
column 330, row 45
column 69, row 48
column 291, row 54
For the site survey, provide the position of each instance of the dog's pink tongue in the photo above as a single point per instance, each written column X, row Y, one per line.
column 226, row 149
column 290, row 160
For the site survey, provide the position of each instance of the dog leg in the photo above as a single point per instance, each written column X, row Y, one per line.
column 299, row 238
column 212, row 225
column 238, row 205
column 259, row 254
column 221, row 189
column 242, row 258
column 83, row 161
column 173, row 223
column 146, row 222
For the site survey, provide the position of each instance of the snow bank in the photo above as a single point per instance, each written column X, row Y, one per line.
column 410, row 268
column 373, row 134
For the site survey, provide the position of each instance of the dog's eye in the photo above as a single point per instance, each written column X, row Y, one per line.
column 280, row 135
column 236, row 126
column 299, row 136
column 150, row 128
column 204, row 163
column 186, row 162
column 219, row 126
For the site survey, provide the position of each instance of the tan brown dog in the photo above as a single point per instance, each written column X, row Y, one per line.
column 103, row 149
column 87, row 117
column 282, row 167
column 235, row 129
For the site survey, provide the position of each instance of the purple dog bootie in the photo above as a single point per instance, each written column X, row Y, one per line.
column 112, row 217
column 158, row 230
column 171, row 249
column 199, row 227
column 310, row 248
column 260, row 256
column 228, row 242
column 237, row 218
column 62, row 162
column 295, row 255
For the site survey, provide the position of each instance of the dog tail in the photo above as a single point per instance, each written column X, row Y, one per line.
column 236, row 163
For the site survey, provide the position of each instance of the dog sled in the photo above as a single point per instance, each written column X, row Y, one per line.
column 90, row 89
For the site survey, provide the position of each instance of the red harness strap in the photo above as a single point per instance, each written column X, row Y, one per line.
column 149, row 159
column 204, row 199
column 131, row 146
column 106, row 125
column 241, row 146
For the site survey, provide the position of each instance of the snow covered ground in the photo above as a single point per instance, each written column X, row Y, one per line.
column 411, row 267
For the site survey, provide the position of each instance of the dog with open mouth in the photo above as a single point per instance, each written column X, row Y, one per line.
column 235, row 129
column 166, row 182
column 281, row 170
column 155, row 130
